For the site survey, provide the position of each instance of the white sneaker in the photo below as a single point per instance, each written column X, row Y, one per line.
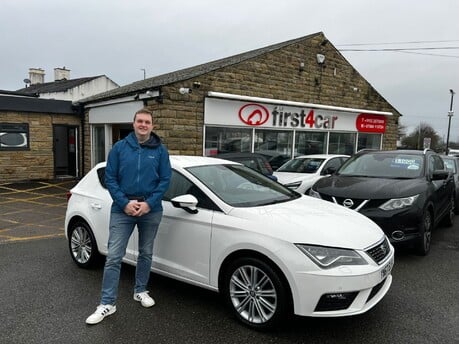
column 101, row 312
column 145, row 299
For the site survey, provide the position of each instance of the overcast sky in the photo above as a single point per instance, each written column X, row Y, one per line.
column 119, row 38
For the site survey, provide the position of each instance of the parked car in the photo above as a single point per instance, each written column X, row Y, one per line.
column 302, row 172
column 275, row 158
column 268, row 250
column 255, row 161
column 406, row 192
column 452, row 165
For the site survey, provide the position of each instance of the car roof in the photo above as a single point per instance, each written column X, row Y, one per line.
column 239, row 155
column 397, row 151
column 185, row 161
column 321, row 156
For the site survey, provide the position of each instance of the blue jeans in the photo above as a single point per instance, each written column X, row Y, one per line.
column 121, row 227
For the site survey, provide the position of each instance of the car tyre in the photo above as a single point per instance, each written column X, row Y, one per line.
column 423, row 243
column 83, row 245
column 256, row 293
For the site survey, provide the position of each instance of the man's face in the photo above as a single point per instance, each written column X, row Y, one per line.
column 143, row 124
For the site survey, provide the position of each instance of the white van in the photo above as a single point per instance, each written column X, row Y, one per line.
column 453, row 152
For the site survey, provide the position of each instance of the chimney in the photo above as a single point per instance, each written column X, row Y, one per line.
column 61, row 74
column 36, row 76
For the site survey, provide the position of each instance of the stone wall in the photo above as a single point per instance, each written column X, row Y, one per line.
column 277, row 75
column 36, row 163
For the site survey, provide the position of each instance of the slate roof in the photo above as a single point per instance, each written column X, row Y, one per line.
column 55, row 86
column 191, row 72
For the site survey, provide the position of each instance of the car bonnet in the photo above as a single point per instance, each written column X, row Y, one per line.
column 309, row 220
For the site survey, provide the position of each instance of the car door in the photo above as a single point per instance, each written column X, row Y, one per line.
column 182, row 244
column 100, row 214
column 442, row 189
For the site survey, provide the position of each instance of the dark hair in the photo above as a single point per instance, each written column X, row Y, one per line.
column 145, row 111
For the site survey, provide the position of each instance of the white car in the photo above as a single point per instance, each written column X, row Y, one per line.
column 302, row 172
column 270, row 251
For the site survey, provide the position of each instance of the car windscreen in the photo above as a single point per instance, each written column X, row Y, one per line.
column 384, row 165
column 302, row 165
column 240, row 186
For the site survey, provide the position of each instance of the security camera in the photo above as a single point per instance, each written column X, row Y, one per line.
column 185, row 90
column 320, row 58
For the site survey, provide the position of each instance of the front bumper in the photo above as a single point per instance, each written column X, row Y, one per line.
column 399, row 225
column 342, row 291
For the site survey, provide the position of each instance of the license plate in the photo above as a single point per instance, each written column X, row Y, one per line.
column 387, row 269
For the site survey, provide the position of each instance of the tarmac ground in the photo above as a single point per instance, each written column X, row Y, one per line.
column 33, row 210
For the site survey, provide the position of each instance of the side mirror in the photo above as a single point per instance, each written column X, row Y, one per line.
column 329, row 170
column 186, row 202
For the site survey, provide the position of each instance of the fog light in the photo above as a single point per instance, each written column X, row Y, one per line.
column 335, row 301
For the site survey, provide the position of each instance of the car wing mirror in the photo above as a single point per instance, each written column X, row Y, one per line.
column 187, row 202
column 329, row 170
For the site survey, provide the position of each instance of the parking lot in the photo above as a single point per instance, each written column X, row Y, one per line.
column 32, row 210
column 46, row 298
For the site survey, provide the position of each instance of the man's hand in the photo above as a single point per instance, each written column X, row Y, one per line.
column 136, row 208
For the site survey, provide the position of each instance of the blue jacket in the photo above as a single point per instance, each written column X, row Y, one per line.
column 135, row 169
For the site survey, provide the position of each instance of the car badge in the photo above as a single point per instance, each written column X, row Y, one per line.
column 348, row 203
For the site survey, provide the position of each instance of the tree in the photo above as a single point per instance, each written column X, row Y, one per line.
column 415, row 140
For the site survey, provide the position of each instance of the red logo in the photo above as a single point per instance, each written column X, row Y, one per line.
column 370, row 123
column 253, row 114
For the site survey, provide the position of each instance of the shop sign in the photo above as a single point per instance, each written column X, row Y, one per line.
column 370, row 123
column 254, row 114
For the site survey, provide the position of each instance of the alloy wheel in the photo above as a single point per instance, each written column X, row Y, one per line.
column 253, row 294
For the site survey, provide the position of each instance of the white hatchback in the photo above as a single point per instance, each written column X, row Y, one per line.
column 302, row 172
column 270, row 251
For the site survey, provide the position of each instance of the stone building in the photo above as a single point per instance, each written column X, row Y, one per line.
column 38, row 138
column 40, row 127
column 296, row 97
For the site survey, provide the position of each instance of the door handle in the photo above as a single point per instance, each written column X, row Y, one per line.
column 96, row 206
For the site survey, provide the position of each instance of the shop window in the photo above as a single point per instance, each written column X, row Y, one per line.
column 369, row 141
column 310, row 143
column 226, row 140
column 14, row 136
column 98, row 143
column 341, row 143
column 275, row 145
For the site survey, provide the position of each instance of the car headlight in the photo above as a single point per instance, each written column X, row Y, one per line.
column 330, row 257
column 293, row 186
column 398, row 203
column 315, row 194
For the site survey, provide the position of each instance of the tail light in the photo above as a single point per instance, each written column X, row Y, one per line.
column 68, row 195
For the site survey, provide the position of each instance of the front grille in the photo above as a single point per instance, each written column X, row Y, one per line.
column 380, row 251
column 375, row 289
column 357, row 203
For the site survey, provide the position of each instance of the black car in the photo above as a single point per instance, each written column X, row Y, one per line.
column 406, row 192
column 255, row 161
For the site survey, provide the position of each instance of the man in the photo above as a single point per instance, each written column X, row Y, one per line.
column 137, row 175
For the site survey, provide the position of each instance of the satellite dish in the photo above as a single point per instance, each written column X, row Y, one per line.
column 27, row 81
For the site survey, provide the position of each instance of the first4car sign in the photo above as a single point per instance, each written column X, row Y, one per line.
column 256, row 114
